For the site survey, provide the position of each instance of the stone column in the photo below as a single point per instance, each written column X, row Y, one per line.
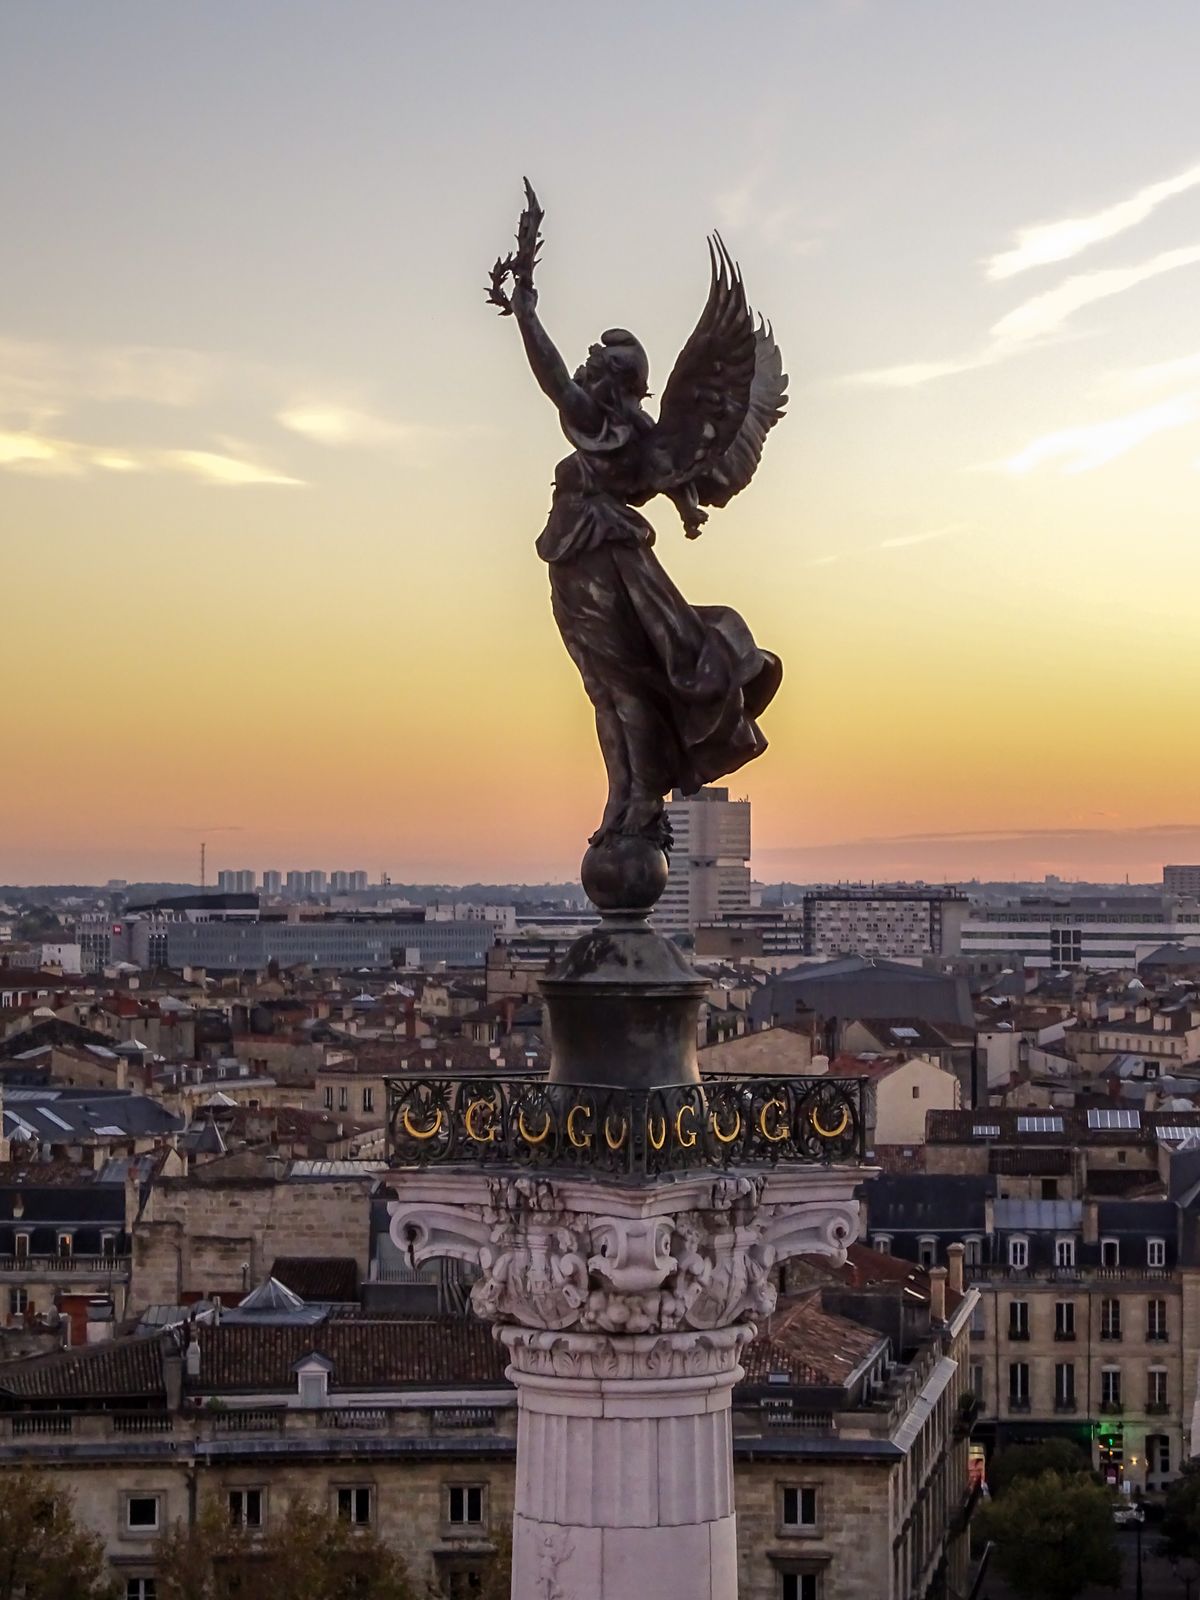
column 624, row 1464
column 624, row 1308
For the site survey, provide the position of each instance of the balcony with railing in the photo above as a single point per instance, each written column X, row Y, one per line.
column 273, row 1427
column 28, row 1267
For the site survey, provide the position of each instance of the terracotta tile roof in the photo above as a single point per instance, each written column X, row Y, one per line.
column 810, row 1344
column 328, row 1278
column 117, row 1369
column 365, row 1354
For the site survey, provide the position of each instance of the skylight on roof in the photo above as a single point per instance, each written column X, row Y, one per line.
column 1175, row 1133
column 1039, row 1124
column 51, row 1116
column 986, row 1130
column 1114, row 1118
column 905, row 1033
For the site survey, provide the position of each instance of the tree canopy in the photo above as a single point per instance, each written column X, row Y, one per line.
column 1053, row 1535
column 1019, row 1461
column 44, row 1553
column 305, row 1554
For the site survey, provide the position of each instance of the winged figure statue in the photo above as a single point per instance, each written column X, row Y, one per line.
column 677, row 689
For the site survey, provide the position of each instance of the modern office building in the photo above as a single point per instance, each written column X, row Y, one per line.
column 1181, row 880
column 272, row 882
column 1096, row 931
column 332, row 942
column 710, row 860
column 897, row 921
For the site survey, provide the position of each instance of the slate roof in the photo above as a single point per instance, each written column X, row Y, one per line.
column 117, row 1369
column 927, row 1202
column 855, row 988
column 957, row 1127
column 432, row 1351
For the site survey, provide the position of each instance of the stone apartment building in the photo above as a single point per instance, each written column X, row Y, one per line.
column 1083, row 1326
column 850, row 1441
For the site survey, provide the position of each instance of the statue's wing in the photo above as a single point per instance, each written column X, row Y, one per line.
column 718, row 481
column 707, row 397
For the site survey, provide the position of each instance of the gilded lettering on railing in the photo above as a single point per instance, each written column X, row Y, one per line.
column 533, row 1122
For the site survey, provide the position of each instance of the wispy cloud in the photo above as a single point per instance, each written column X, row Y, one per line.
column 903, row 540
column 35, row 373
column 1038, row 319
column 1046, row 242
column 1082, row 449
column 229, row 470
column 1158, row 375
column 330, row 424
column 27, row 451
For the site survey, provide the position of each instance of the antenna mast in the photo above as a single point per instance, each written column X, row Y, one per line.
column 203, row 884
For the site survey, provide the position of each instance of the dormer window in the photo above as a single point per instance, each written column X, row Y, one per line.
column 927, row 1252
column 1156, row 1252
column 1018, row 1252
column 972, row 1251
column 312, row 1377
column 1064, row 1252
column 1110, row 1253
column 883, row 1243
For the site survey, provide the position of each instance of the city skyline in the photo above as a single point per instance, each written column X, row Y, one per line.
column 275, row 475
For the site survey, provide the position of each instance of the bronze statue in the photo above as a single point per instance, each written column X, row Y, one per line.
column 676, row 688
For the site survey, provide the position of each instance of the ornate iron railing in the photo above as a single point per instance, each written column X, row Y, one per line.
column 531, row 1122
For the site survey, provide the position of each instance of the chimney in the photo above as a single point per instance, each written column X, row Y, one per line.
column 937, row 1293
column 192, row 1356
column 955, row 1254
column 1091, row 1222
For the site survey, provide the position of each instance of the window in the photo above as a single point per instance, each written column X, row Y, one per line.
column 1018, row 1319
column 18, row 1302
column 108, row 1245
column 1110, row 1387
column 1158, row 1453
column 1049, row 1188
column 1110, row 1319
column 65, row 1245
column 1156, row 1320
column 1110, row 1253
column 927, row 1252
column 354, row 1505
column 1064, row 1386
column 1156, row 1252
column 916, row 1092
column 883, row 1243
column 1156, row 1392
column 245, row 1508
column 1018, row 1253
column 21, row 1246
column 141, row 1513
column 979, row 1322
column 977, row 1381
column 973, row 1252
column 797, row 1508
column 798, row 1586
column 459, row 1582
column 368, row 1099
column 1064, row 1252
column 141, row 1589
column 1064, row 1319
column 1018, row 1385
column 464, row 1505
column 343, row 1099
column 329, row 1097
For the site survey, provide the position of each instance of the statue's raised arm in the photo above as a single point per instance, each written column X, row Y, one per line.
column 548, row 367
column 677, row 689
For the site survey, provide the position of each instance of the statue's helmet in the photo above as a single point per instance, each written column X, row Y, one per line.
column 621, row 358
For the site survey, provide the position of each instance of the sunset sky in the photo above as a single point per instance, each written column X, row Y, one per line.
column 271, row 472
